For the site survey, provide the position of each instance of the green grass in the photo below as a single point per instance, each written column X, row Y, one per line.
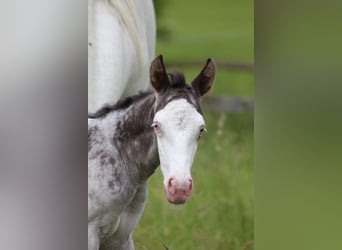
column 219, row 213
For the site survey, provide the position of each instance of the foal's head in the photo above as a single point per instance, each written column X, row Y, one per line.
column 178, row 124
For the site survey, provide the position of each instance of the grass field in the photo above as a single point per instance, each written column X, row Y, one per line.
column 219, row 214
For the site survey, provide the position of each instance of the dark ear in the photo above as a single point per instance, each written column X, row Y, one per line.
column 159, row 79
column 205, row 79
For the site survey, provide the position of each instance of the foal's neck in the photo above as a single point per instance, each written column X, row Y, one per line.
column 135, row 139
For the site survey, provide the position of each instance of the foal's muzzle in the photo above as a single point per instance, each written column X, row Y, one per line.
column 176, row 191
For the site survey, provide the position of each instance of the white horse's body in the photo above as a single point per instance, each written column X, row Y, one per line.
column 121, row 46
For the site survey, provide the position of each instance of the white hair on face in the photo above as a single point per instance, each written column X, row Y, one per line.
column 180, row 124
column 179, row 114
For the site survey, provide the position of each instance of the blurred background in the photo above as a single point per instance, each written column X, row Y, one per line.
column 219, row 214
column 297, row 152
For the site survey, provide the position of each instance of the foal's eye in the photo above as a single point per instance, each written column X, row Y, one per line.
column 156, row 127
column 202, row 129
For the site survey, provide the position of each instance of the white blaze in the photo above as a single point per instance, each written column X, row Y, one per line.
column 179, row 124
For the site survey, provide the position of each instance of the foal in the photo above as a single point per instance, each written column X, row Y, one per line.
column 127, row 142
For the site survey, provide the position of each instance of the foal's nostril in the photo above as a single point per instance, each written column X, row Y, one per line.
column 170, row 182
column 174, row 184
column 190, row 186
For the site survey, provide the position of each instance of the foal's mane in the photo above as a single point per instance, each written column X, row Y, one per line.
column 178, row 86
column 121, row 104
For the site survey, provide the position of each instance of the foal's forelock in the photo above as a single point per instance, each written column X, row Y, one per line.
column 178, row 89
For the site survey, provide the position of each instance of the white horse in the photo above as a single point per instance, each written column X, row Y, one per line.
column 121, row 46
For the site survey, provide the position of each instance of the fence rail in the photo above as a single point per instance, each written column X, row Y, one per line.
column 222, row 103
column 223, row 64
column 229, row 103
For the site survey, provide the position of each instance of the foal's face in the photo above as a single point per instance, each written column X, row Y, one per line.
column 178, row 126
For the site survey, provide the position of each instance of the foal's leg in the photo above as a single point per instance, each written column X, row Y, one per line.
column 93, row 238
column 122, row 239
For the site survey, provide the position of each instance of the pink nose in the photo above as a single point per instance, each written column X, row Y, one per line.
column 177, row 192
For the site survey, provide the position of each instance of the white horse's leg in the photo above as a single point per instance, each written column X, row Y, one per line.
column 122, row 239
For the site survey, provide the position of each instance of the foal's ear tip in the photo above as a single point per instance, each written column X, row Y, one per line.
column 211, row 61
column 159, row 57
column 158, row 60
column 210, row 65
